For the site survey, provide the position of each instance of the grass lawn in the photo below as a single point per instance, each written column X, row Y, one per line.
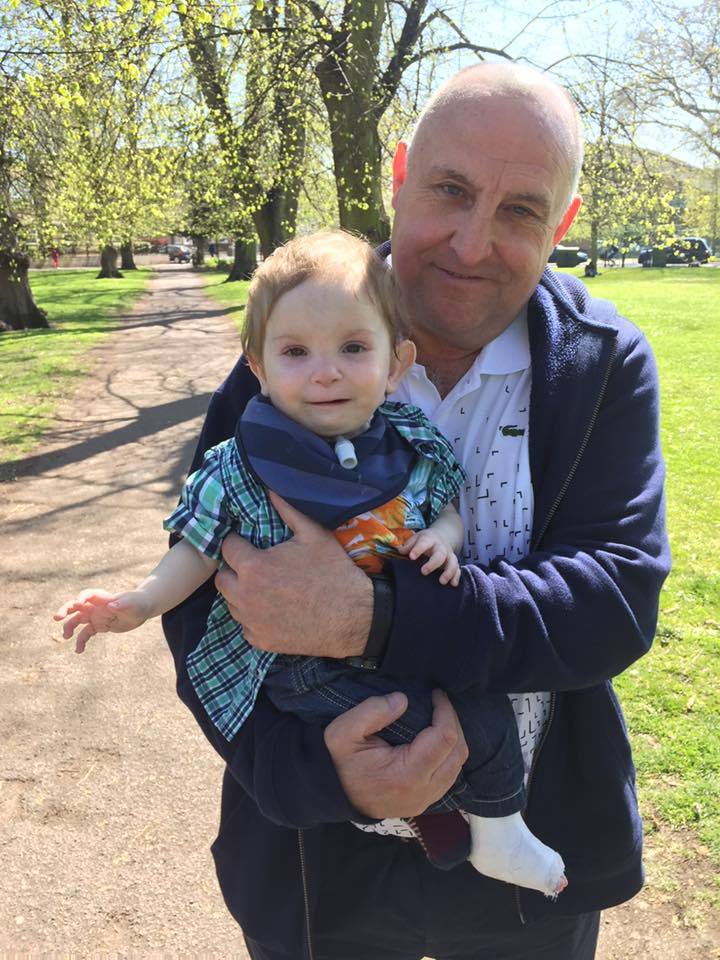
column 41, row 366
column 671, row 697
column 226, row 293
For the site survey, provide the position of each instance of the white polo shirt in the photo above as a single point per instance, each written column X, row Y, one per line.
column 486, row 417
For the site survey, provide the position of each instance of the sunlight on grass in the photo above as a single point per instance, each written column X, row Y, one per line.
column 41, row 366
column 227, row 293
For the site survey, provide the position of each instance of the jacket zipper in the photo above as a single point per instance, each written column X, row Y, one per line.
column 306, row 899
column 536, row 544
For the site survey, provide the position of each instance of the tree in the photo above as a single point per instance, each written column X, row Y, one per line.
column 262, row 139
column 679, row 69
column 115, row 178
column 701, row 213
column 625, row 200
column 27, row 129
column 364, row 52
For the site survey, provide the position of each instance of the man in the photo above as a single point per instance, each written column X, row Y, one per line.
column 550, row 401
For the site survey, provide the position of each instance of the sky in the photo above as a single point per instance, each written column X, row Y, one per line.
column 547, row 34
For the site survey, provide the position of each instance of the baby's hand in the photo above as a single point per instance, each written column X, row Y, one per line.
column 101, row 612
column 426, row 543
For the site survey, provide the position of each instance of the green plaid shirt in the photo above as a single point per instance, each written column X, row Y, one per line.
column 224, row 496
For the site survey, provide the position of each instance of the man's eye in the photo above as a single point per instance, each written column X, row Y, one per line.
column 294, row 352
column 521, row 211
column 354, row 348
column 452, row 190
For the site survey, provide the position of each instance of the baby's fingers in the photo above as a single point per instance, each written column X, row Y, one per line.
column 451, row 573
column 423, row 546
column 70, row 606
column 72, row 621
column 437, row 559
column 82, row 638
column 406, row 547
column 85, row 600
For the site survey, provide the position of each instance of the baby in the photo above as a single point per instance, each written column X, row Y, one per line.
column 322, row 334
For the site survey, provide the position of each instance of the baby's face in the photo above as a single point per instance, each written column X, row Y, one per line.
column 328, row 362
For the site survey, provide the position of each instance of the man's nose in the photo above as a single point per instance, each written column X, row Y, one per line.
column 473, row 238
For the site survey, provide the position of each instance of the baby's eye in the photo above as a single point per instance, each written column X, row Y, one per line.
column 354, row 347
column 294, row 351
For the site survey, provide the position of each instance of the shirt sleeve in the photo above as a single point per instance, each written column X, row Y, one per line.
column 202, row 517
column 447, row 476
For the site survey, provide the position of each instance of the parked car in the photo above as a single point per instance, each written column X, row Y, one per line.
column 179, row 253
column 567, row 256
column 683, row 250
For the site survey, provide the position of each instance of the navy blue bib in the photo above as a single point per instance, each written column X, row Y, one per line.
column 303, row 468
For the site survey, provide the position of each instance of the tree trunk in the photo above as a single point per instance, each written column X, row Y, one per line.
column 127, row 257
column 276, row 219
column 356, row 155
column 18, row 310
column 199, row 244
column 245, row 260
column 355, row 103
column 108, row 264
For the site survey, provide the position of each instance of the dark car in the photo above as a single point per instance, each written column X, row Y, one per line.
column 179, row 253
column 689, row 250
column 567, row 256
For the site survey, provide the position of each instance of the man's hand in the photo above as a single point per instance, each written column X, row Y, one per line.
column 305, row 596
column 383, row 781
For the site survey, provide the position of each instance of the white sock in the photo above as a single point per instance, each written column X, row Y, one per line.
column 503, row 848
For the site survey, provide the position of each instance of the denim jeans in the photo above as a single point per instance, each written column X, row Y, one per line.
column 491, row 781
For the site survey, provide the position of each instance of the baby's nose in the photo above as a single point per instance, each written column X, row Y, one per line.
column 326, row 371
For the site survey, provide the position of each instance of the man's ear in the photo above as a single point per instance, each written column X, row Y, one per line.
column 567, row 220
column 403, row 357
column 257, row 368
column 399, row 168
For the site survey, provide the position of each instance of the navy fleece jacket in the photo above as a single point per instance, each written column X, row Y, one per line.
column 575, row 612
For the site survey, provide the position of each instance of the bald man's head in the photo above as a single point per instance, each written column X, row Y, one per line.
column 539, row 93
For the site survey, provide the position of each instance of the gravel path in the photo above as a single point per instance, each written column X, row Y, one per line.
column 108, row 792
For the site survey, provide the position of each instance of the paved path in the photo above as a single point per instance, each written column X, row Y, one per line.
column 108, row 792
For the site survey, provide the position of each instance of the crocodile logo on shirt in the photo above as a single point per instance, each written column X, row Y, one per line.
column 512, row 430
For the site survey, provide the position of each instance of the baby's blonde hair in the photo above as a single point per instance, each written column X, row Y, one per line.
column 328, row 254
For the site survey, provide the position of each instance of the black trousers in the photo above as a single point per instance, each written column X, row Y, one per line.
column 382, row 900
column 562, row 938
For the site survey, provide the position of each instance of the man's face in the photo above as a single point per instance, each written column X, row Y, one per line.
column 475, row 217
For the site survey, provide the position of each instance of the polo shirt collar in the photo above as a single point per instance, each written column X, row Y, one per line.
column 508, row 353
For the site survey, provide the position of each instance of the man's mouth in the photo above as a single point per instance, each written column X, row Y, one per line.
column 461, row 276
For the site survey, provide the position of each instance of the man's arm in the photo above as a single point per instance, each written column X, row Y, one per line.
column 300, row 774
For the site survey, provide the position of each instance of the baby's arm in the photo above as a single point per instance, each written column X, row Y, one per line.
column 179, row 573
column 440, row 543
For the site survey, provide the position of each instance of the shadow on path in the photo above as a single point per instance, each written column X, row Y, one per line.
column 149, row 421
